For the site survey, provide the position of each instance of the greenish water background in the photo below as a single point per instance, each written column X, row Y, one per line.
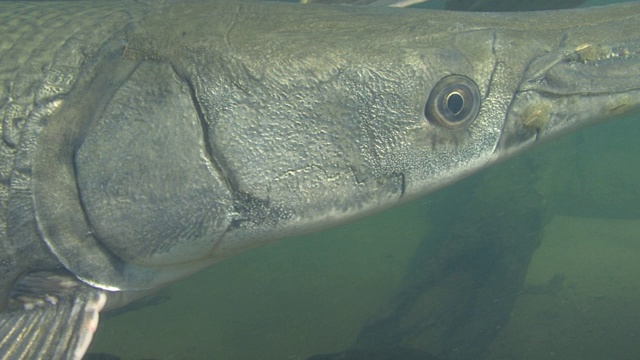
column 313, row 294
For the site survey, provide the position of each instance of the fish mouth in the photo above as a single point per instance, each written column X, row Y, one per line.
column 568, row 89
column 589, row 69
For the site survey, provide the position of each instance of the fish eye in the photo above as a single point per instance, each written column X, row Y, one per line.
column 454, row 102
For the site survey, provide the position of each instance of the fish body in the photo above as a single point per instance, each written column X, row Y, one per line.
column 144, row 141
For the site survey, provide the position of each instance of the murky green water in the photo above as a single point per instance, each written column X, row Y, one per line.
column 315, row 293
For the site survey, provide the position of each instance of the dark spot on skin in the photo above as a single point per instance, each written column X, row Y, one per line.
column 256, row 211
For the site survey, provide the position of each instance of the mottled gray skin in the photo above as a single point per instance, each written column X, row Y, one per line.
column 145, row 141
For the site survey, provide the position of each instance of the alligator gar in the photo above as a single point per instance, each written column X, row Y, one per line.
column 143, row 141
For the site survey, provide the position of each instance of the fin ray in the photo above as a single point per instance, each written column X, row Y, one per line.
column 56, row 325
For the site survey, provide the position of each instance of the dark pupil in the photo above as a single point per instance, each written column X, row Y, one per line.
column 455, row 103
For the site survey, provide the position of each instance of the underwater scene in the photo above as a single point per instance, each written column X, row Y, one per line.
column 534, row 258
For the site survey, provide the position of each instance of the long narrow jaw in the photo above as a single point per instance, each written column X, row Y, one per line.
column 565, row 90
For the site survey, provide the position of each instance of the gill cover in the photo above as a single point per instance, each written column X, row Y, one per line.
column 150, row 193
column 124, row 192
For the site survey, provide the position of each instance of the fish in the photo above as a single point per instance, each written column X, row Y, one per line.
column 145, row 141
column 465, row 5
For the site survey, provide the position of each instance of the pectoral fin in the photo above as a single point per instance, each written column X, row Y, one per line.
column 52, row 315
